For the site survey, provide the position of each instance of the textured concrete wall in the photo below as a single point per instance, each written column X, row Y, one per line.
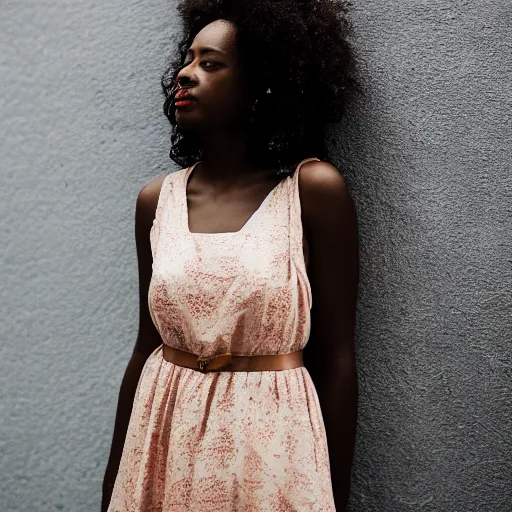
column 82, row 130
column 427, row 156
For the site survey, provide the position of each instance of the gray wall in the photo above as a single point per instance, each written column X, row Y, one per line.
column 427, row 156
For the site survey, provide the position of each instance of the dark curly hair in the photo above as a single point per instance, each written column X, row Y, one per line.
column 310, row 38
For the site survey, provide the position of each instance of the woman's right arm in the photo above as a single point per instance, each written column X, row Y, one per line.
column 148, row 338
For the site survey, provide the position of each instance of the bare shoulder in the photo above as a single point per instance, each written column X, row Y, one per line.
column 324, row 196
column 320, row 174
column 147, row 201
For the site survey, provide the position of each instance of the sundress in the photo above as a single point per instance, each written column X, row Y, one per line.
column 226, row 441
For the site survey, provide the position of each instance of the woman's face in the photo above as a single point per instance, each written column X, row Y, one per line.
column 215, row 79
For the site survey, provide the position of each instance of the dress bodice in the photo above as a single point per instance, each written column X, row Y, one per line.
column 244, row 292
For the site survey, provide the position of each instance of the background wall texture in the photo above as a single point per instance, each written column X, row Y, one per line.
column 426, row 152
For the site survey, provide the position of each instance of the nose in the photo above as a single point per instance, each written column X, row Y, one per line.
column 180, row 82
column 183, row 76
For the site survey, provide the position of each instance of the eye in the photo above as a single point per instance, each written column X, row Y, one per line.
column 213, row 63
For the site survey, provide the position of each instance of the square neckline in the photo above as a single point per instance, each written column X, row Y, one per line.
column 242, row 230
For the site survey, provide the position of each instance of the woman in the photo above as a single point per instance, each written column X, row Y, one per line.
column 243, row 260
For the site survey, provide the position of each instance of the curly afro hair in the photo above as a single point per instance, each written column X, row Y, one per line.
column 310, row 38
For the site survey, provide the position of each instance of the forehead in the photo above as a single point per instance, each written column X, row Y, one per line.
column 219, row 37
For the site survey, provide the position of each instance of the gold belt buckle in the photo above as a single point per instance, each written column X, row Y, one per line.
column 217, row 361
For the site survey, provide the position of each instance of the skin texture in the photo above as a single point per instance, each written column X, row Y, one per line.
column 223, row 192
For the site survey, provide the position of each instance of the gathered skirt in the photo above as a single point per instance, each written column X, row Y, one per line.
column 223, row 441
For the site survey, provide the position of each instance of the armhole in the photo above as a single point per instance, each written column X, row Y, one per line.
column 154, row 232
column 297, row 228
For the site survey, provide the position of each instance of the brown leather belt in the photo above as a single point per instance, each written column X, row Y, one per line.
column 231, row 363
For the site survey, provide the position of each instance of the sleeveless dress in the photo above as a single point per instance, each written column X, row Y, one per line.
column 226, row 441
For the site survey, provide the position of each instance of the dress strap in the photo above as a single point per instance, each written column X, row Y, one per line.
column 154, row 233
column 296, row 229
column 296, row 210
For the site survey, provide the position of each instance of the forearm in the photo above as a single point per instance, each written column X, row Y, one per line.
column 336, row 385
column 124, row 410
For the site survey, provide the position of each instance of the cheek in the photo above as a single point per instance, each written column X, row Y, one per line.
column 234, row 107
column 229, row 96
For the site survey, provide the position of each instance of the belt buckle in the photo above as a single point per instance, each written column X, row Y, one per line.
column 218, row 361
column 203, row 365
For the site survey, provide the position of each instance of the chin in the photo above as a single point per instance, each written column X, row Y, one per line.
column 185, row 123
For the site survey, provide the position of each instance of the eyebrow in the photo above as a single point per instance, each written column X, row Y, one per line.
column 207, row 49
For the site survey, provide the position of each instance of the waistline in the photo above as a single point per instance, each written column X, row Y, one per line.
column 232, row 363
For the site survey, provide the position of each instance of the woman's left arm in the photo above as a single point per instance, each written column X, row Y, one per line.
column 330, row 224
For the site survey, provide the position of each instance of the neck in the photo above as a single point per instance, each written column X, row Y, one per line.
column 225, row 156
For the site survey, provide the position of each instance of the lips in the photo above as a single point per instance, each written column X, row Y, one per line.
column 184, row 96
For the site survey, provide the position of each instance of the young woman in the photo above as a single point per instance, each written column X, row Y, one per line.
column 246, row 255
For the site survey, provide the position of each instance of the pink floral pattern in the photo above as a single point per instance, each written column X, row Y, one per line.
column 226, row 441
